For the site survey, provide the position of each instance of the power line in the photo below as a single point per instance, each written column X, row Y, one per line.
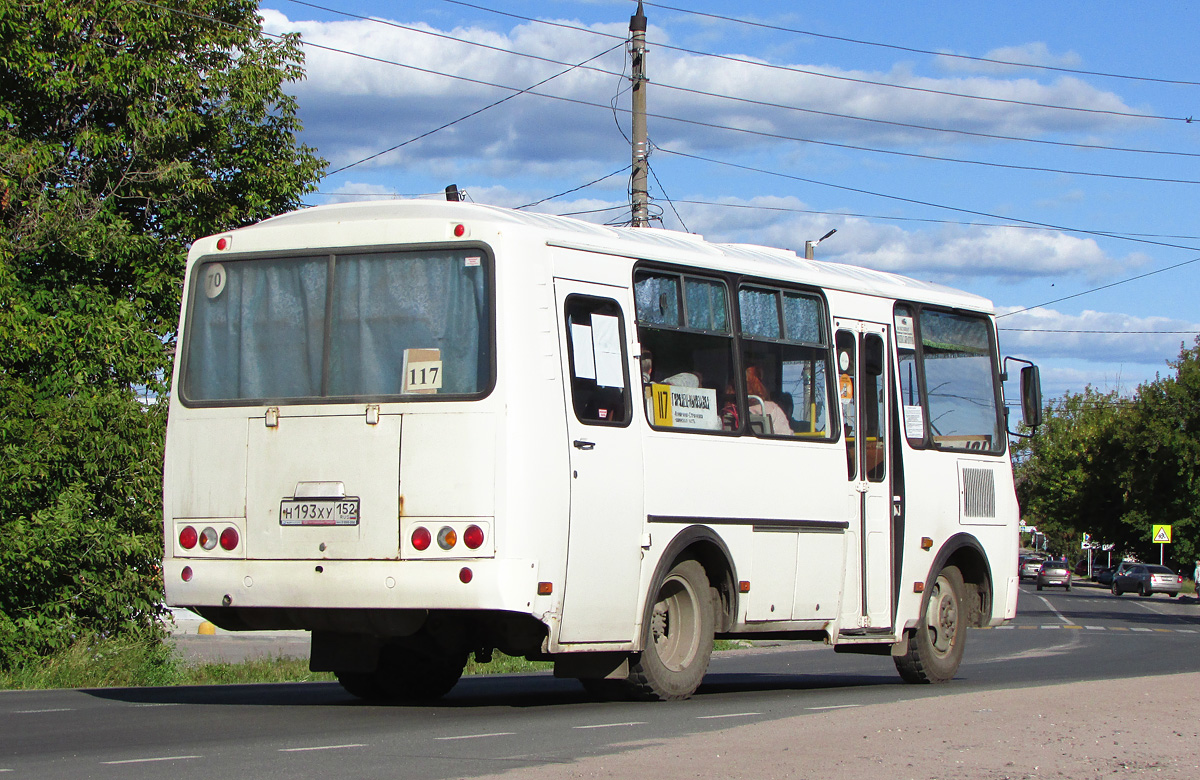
column 917, row 202
column 819, row 74
column 734, row 98
column 1103, row 287
column 928, row 220
column 576, row 189
column 912, row 50
column 1105, row 332
column 468, row 116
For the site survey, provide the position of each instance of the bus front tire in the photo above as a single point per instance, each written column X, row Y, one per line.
column 935, row 648
column 406, row 674
column 678, row 640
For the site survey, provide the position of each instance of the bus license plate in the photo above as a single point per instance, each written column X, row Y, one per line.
column 318, row 511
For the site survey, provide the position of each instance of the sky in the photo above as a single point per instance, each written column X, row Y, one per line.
column 1042, row 155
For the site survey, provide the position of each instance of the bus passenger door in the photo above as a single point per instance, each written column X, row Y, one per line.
column 862, row 356
column 604, row 553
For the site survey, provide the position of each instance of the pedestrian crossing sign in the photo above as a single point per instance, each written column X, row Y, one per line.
column 1162, row 534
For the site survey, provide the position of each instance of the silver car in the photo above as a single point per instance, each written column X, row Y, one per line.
column 1147, row 579
column 1054, row 573
column 1029, row 568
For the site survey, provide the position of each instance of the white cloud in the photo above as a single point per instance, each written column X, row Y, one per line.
column 1035, row 53
column 353, row 107
column 1096, row 337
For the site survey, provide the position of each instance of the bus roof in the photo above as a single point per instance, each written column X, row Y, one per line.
column 642, row 243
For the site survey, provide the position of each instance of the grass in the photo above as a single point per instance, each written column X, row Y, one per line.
column 132, row 663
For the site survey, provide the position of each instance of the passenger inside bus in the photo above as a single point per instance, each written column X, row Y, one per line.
column 766, row 417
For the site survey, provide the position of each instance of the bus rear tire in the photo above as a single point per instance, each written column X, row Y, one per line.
column 678, row 639
column 407, row 674
column 935, row 648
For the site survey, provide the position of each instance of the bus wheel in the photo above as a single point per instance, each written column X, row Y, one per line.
column 407, row 674
column 678, row 639
column 935, row 648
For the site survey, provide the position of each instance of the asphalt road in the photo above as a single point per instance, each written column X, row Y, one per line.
column 490, row 725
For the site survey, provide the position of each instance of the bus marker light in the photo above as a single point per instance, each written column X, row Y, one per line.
column 473, row 537
column 188, row 537
column 545, row 588
column 208, row 538
column 186, row 574
column 744, row 586
column 926, row 543
column 421, row 538
column 460, row 231
column 223, row 243
column 918, row 587
column 465, row 575
column 229, row 538
column 447, row 538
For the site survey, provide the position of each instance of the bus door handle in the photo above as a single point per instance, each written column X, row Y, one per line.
column 582, row 444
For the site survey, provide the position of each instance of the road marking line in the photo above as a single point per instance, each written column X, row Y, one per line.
column 1185, row 630
column 37, row 712
column 148, row 760
column 321, row 747
column 729, row 715
column 1028, row 628
column 834, row 707
column 1051, row 628
column 1001, row 628
column 1050, row 606
column 1140, row 629
column 159, row 704
column 1166, row 630
column 612, row 725
column 1072, row 626
column 476, row 736
column 1095, row 628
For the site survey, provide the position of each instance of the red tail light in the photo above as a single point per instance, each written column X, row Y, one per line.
column 188, row 537
column 421, row 538
column 473, row 537
column 229, row 538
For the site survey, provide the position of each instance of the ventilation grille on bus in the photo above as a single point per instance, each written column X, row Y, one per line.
column 979, row 493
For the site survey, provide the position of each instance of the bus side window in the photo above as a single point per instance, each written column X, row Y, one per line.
column 687, row 351
column 596, row 347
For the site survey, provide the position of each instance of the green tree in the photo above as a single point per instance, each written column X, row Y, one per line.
column 126, row 130
column 1162, row 472
column 1068, row 472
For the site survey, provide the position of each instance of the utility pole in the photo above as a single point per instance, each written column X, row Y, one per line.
column 637, row 49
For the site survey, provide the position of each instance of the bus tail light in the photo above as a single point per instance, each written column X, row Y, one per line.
column 188, row 537
column 465, row 575
column 421, row 538
column 229, row 538
column 473, row 537
column 208, row 538
column 186, row 574
column 447, row 537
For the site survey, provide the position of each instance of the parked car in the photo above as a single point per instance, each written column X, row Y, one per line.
column 1054, row 573
column 1104, row 575
column 1029, row 567
column 1147, row 579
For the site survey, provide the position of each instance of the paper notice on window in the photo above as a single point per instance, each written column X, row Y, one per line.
column 606, row 339
column 904, row 333
column 914, row 422
column 686, row 407
column 581, row 346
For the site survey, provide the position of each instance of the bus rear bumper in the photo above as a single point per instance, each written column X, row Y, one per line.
column 490, row 584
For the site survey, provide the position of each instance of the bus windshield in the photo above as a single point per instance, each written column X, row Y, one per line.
column 335, row 327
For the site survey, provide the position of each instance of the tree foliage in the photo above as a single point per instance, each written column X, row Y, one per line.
column 1113, row 467
column 126, row 130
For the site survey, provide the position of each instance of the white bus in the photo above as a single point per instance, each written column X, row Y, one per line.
column 424, row 429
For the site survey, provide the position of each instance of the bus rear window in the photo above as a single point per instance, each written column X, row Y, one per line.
column 339, row 326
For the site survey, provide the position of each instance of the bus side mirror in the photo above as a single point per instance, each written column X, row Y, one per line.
column 1031, row 396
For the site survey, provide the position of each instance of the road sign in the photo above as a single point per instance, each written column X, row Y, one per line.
column 1162, row 534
